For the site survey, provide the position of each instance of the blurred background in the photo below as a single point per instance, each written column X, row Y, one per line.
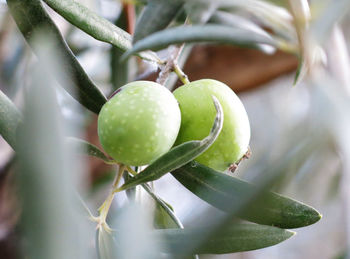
column 282, row 116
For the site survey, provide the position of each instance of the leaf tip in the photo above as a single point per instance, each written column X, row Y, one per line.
column 311, row 216
column 291, row 234
column 314, row 216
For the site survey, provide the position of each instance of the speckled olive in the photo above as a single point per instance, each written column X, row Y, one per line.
column 139, row 123
column 197, row 116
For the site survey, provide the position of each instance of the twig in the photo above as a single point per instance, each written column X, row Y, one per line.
column 172, row 66
column 130, row 17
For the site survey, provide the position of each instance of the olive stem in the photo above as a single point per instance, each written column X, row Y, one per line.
column 130, row 170
column 182, row 76
column 104, row 209
column 171, row 65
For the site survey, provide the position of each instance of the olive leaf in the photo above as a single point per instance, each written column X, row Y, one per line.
column 91, row 23
column 178, row 155
column 283, row 3
column 96, row 26
column 156, row 16
column 44, row 176
column 200, row 33
column 10, row 118
column 163, row 210
column 84, row 147
column 236, row 21
column 31, row 18
column 220, row 190
column 237, row 237
column 301, row 71
column 120, row 71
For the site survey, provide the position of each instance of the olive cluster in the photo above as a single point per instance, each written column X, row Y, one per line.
column 143, row 120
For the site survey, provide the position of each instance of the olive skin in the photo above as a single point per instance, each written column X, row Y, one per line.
column 197, row 116
column 139, row 123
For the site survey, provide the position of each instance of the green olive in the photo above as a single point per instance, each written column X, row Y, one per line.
column 139, row 123
column 197, row 116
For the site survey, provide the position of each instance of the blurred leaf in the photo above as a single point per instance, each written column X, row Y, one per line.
column 301, row 71
column 332, row 12
column 200, row 33
column 119, row 70
column 31, row 17
column 199, row 12
column 10, row 117
column 132, row 238
column 156, row 16
column 91, row 23
column 283, row 3
column 46, row 178
column 236, row 238
column 219, row 189
column 275, row 18
column 86, row 148
column 240, row 22
column 102, row 182
column 178, row 155
column 104, row 244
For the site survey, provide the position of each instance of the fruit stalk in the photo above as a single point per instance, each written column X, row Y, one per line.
column 172, row 66
column 182, row 76
column 104, row 209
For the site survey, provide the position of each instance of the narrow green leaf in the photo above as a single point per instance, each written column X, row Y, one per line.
column 164, row 214
column 10, row 117
column 162, row 219
column 119, row 70
column 236, row 238
column 282, row 3
column 268, row 15
column 301, row 71
column 31, row 17
column 156, row 16
column 236, row 21
column 96, row 26
column 46, row 176
column 220, row 190
column 178, row 155
column 200, row 33
column 91, row 23
column 86, row 148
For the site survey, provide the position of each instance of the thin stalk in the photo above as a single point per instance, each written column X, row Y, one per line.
column 172, row 66
column 182, row 76
column 104, row 209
